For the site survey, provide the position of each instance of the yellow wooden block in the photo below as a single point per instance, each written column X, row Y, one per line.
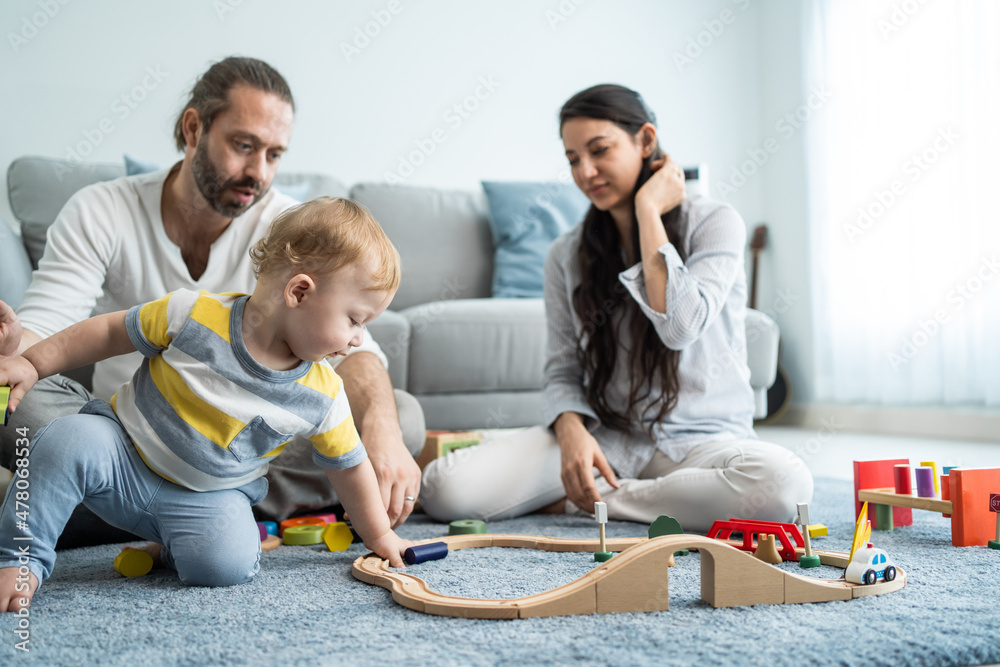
column 337, row 536
column 133, row 563
column 817, row 530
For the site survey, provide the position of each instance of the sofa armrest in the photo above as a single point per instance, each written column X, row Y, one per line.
column 392, row 333
column 762, row 349
column 15, row 267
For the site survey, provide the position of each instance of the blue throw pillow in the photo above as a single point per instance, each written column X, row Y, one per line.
column 526, row 218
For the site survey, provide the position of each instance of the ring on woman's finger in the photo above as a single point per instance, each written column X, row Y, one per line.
column 680, row 173
column 410, row 499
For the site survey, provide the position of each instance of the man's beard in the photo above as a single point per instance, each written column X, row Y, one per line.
column 212, row 186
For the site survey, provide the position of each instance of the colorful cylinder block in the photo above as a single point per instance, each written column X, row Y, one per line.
column 902, row 473
column 419, row 553
column 946, row 491
column 925, row 482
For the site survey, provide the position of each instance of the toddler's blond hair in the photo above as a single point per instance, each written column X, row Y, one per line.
column 323, row 235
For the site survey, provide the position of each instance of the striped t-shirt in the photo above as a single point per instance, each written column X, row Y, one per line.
column 203, row 413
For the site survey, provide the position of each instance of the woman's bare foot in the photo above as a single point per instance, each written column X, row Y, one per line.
column 152, row 548
column 16, row 589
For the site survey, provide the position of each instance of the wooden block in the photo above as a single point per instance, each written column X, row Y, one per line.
column 638, row 583
column 732, row 578
column 890, row 497
column 817, row 530
column 4, row 397
column 439, row 443
column 933, row 465
column 767, row 550
column 972, row 523
column 880, row 475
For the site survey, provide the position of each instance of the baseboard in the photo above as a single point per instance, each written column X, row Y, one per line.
column 931, row 422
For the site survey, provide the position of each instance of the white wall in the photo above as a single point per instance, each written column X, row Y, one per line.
column 359, row 116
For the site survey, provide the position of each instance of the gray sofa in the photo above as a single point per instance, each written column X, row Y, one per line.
column 471, row 361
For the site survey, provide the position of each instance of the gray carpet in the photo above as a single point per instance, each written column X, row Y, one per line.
column 306, row 608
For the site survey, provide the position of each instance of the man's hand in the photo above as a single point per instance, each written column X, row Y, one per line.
column 397, row 473
column 10, row 331
column 373, row 405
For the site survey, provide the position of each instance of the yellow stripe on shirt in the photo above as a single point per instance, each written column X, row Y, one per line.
column 153, row 318
column 213, row 315
column 322, row 379
column 205, row 418
column 339, row 440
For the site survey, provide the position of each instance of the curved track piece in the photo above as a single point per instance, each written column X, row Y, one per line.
column 635, row 580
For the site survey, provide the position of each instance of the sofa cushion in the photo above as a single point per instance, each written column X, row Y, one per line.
column 525, row 219
column 16, row 267
column 443, row 238
column 472, row 345
column 38, row 187
column 484, row 409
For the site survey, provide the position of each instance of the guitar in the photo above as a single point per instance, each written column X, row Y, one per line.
column 779, row 395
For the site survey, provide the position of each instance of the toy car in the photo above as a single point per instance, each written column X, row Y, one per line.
column 870, row 565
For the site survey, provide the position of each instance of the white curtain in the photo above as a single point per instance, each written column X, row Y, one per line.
column 904, row 178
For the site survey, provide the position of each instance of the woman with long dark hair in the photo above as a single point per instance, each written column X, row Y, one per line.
column 646, row 379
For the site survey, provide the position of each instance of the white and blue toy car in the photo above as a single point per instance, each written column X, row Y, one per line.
column 870, row 565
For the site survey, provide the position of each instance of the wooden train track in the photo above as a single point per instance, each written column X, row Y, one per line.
column 634, row 580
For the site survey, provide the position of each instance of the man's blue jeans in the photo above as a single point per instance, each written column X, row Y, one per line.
column 210, row 538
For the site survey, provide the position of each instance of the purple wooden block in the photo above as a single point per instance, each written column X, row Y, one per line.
column 263, row 531
column 925, row 481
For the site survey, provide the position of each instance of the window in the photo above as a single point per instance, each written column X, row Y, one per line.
column 904, row 162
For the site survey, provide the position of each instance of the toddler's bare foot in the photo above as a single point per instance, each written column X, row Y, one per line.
column 152, row 548
column 16, row 589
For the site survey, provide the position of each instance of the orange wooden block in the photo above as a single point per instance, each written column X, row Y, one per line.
column 880, row 475
column 972, row 523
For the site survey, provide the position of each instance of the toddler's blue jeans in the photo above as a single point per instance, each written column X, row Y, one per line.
column 210, row 538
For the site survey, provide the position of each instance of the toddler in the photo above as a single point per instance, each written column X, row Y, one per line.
column 179, row 454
